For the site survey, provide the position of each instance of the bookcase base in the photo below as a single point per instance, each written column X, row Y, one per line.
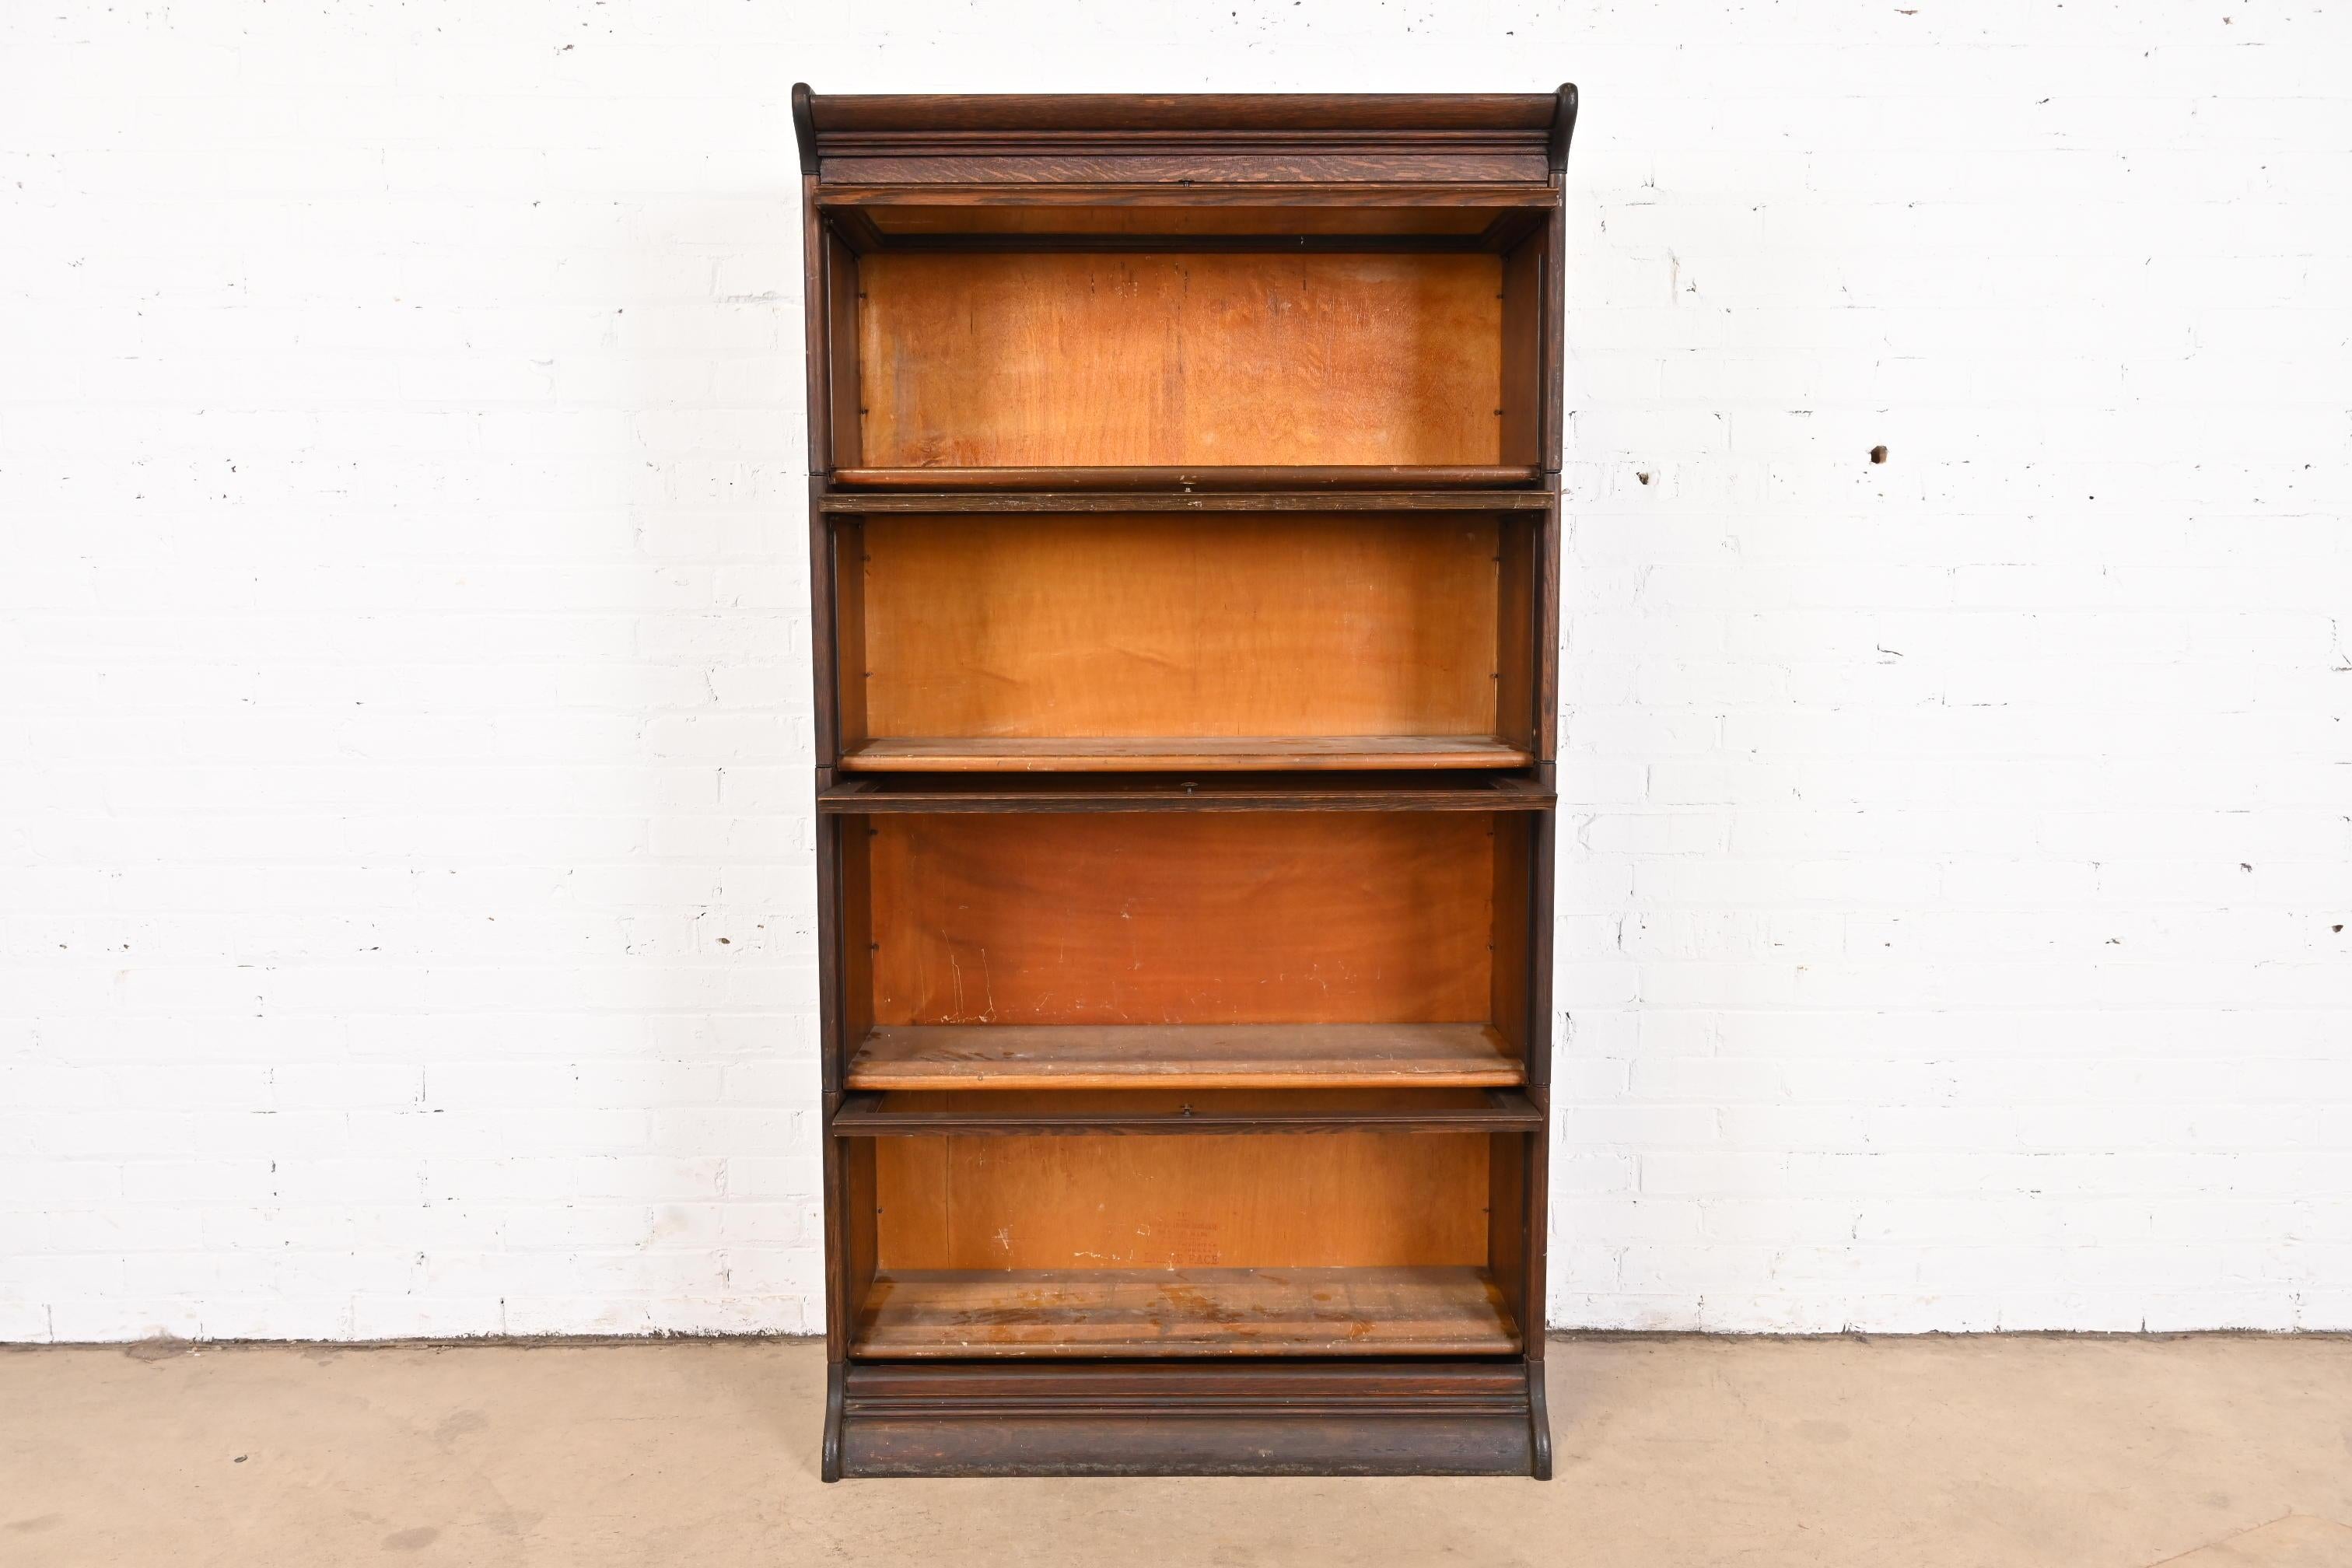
column 1272, row 1417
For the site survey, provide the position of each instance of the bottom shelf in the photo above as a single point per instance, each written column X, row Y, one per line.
column 916, row 1313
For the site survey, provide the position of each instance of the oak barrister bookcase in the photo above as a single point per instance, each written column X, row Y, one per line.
column 1184, row 528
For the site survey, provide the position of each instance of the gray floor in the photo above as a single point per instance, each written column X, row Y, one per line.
column 1991, row 1452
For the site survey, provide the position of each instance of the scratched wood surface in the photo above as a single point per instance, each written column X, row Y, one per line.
column 1268, row 1055
column 1187, row 1311
column 1056, row 357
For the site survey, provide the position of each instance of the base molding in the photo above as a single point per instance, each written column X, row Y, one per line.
column 1272, row 1417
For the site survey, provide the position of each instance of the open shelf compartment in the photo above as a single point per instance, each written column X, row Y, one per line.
column 1116, row 359
column 1355, row 1242
column 1155, row 641
column 1176, row 948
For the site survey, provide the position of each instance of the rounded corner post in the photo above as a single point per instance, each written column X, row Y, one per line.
column 1563, row 125
column 829, row 1465
column 805, row 125
column 1539, row 1424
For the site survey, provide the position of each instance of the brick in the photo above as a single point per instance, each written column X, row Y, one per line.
column 406, row 665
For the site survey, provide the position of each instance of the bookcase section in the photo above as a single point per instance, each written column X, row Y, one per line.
column 1131, row 359
column 1152, row 641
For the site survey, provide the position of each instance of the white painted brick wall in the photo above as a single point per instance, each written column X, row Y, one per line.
column 404, row 715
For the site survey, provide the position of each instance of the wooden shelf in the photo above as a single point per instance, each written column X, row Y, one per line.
column 1180, row 754
column 1456, row 1310
column 1261, row 1056
column 1369, row 476
column 883, row 794
column 1021, row 502
column 918, row 1113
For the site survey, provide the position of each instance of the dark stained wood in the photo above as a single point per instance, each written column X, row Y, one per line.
column 1522, row 329
column 1247, row 1417
column 894, row 1113
column 860, row 1247
column 841, row 724
column 1520, row 581
column 1025, row 502
column 1128, row 118
column 1179, row 755
column 1509, row 938
column 1264, row 1055
column 844, row 423
column 1254, row 226
column 1320, row 873
column 1563, row 127
column 1240, row 477
column 1544, row 634
column 1456, row 1310
column 1407, row 195
column 881, row 794
column 1242, row 169
column 805, row 127
column 1506, row 1216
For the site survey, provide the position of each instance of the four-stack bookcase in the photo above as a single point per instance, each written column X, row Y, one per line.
column 1185, row 525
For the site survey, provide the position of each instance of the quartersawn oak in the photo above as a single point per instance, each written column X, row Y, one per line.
column 1184, row 496
column 1259, row 1056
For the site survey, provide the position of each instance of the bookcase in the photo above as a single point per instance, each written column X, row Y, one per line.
column 1184, row 528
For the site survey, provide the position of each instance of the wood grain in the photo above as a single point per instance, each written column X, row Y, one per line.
column 1187, row 1311
column 1056, row 357
column 1175, row 482
column 1049, row 1201
column 1169, row 222
column 1185, row 753
column 1140, row 117
column 1328, row 1414
column 887, row 793
column 1159, row 626
column 1338, row 498
column 1187, row 1112
column 1269, row 1056
column 1182, row 918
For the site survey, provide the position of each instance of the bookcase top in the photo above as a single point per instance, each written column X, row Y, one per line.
column 1342, row 136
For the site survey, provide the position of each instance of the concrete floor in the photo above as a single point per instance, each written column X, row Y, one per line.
column 1992, row 1453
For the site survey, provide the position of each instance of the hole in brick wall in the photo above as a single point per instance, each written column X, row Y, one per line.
column 1878, row 454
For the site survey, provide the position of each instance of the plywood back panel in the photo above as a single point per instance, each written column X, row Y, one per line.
column 1022, row 359
column 1330, row 1200
column 1182, row 918
column 1158, row 624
